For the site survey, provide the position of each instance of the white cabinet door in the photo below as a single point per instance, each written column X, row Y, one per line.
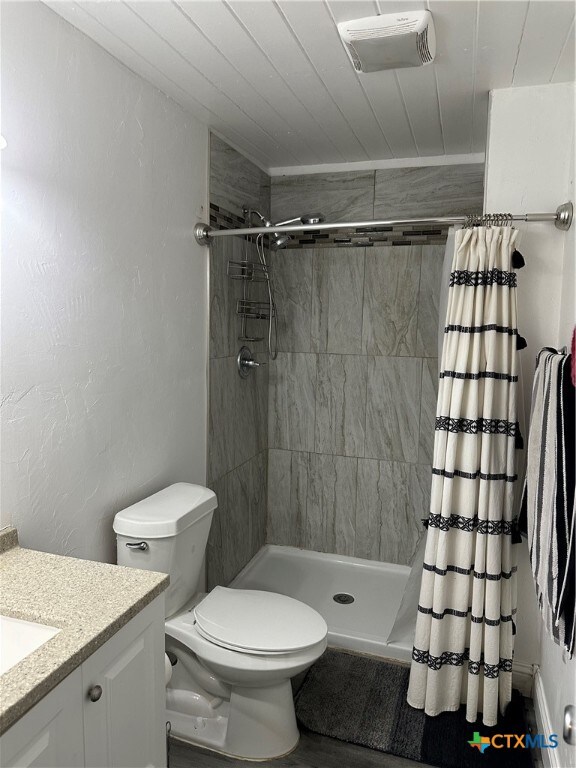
column 125, row 726
column 50, row 734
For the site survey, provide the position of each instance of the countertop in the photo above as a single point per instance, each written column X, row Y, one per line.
column 88, row 601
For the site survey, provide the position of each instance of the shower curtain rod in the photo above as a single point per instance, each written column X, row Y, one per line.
column 562, row 219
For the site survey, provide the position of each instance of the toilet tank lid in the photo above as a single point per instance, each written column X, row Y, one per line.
column 166, row 513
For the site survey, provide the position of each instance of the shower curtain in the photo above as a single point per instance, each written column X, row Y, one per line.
column 464, row 640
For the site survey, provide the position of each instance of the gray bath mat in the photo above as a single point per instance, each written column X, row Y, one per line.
column 362, row 700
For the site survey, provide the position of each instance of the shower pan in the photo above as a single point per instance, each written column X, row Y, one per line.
column 369, row 606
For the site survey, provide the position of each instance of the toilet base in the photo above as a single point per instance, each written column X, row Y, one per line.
column 256, row 724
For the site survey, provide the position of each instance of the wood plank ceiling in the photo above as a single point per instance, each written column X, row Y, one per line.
column 272, row 77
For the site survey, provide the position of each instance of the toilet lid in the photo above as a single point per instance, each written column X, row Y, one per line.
column 263, row 622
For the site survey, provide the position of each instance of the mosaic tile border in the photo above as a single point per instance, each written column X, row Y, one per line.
column 345, row 237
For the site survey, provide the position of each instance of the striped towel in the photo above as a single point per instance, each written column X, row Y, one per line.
column 548, row 500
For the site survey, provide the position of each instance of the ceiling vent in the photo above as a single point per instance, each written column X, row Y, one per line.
column 391, row 41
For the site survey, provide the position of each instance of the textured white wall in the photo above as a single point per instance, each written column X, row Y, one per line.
column 530, row 167
column 104, row 310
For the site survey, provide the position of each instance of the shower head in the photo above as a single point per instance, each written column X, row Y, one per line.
column 249, row 214
column 306, row 218
column 279, row 239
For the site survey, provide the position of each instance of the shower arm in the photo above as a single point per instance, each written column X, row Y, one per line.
column 562, row 219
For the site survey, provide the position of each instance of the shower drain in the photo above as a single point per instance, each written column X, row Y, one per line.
column 343, row 598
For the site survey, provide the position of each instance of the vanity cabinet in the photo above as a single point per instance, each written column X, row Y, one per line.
column 51, row 733
column 125, row 697
column 108, row 713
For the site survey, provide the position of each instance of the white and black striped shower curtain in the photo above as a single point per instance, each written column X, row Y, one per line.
column 464, row 641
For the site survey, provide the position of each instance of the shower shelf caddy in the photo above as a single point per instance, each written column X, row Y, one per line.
column 249, row 271
column 250, row 309
column 253, row 310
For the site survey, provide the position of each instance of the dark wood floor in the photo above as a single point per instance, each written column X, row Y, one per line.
column 313, row 751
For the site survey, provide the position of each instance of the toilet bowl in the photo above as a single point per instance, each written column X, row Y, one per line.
column 252, row 642
column 233, row 651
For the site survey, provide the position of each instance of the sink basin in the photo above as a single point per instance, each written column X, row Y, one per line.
column 19, row 639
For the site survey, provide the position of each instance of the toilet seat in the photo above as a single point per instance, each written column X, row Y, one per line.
column 252, row 622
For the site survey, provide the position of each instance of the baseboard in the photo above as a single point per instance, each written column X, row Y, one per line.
column 549, row 757
column 523, row 678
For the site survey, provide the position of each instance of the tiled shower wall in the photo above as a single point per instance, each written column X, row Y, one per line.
column 329, row 448
column 352, row 395
column 238, row 408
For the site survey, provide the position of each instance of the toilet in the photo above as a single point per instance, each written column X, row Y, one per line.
column 233, row 651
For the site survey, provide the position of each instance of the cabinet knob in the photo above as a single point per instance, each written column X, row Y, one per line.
column 95, row 692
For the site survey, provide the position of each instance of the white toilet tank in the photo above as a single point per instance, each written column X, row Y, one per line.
column 168, row 532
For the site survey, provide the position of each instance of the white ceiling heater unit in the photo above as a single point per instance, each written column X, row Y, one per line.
column 391, row 41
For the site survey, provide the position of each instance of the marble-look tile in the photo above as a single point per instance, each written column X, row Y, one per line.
column 292, row 401
column 369, row 506
column 428, row 300
column 215, row 565
column 440, row 190
column 248, row 428
column 337, row 294
column 235, row 528
column 224, row 322
column 287, row 490
column 238, row 416
column 239, row 524
column 428, row 410
column 331, row 504
column 391, row 300
column 261, row 405
column 235, row 181
column 292, row 279
column 341, row 404
column 255, row 291
column 222, row 416
column 388, row 527
column 338, row 196
column 393, row 408
column 420, row 489
column 258, row 501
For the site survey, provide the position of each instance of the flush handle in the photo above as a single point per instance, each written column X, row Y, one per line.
column 142, row 545
column 95, row 693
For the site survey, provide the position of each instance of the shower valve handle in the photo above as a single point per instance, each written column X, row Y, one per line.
column 246, row 362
